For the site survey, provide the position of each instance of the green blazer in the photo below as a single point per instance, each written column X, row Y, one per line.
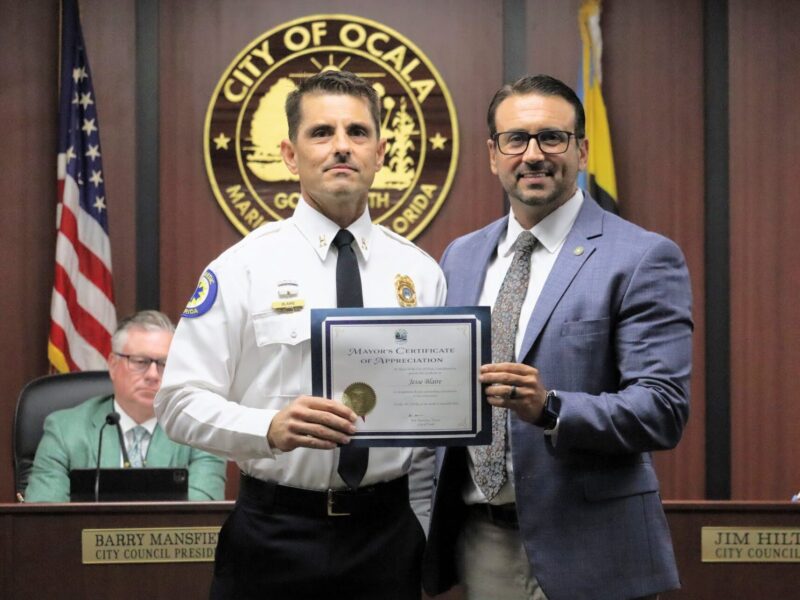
column 70, row 442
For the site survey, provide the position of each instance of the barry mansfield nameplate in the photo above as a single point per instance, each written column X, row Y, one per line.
column 410, row 374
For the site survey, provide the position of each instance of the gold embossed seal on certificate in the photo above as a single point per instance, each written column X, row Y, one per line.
column 360, row 397
column 245, row 122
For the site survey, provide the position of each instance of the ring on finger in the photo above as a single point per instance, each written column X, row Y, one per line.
column 513, row 393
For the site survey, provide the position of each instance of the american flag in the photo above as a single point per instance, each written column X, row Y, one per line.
column 82, row 314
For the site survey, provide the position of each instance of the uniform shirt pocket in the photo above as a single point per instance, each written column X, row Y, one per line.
column 283, row 342
column 276, row 328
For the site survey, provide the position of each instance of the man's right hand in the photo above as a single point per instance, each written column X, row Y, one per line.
column 311, row 422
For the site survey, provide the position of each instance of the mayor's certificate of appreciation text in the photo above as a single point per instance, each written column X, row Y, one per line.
column 410, row 374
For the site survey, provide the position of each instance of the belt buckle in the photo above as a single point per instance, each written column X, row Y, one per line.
column 331, row 510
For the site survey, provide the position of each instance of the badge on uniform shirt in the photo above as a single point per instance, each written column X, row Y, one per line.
column 288, row 288
column 204, row 296
column 287, row 294
column 406, row 293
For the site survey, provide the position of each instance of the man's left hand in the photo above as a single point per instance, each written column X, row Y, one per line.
column 516, row 387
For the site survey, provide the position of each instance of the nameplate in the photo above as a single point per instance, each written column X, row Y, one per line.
column 149, row 545
column 750, row 544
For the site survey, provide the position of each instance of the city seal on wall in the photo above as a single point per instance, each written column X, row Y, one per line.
column 245, row 122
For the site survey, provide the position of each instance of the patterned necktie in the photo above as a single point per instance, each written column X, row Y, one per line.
column 490, row 461
column 139, row 436
column 352, row 461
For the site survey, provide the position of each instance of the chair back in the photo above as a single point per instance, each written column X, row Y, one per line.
column 38, row 399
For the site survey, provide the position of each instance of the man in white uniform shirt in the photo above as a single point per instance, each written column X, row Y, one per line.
column 238, row 380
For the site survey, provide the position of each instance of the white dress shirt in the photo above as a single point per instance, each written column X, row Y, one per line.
column 233, row 368
column 551, row 232
column 127, row 424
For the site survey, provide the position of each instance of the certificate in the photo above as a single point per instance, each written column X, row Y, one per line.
column 410, row 374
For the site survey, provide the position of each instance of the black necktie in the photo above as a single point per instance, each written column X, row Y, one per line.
column 352, row 461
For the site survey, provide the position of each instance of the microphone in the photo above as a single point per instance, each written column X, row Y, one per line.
column 111, row 419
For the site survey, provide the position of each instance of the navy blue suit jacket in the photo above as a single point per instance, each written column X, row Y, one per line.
column 611, row 333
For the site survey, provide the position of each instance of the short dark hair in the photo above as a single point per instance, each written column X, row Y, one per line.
column 544, row 85
column 332, row 82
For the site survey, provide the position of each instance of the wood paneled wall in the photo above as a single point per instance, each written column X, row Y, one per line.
column 765, row 273
column 655, row 98
column 27, row 210
column 653, row 89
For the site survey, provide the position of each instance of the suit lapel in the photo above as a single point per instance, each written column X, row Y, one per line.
column 577, row 249
column 465, row 289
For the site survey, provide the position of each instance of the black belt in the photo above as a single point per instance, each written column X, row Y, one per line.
column 381, row 497
column 502, row 515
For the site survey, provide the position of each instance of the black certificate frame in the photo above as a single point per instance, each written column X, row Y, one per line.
column 479, row 319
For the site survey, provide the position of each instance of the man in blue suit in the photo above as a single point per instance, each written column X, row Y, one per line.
column 564, row 505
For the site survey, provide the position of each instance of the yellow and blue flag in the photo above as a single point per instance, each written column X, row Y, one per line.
column 599, row 179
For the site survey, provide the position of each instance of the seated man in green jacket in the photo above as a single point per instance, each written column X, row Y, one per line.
column 136, row 363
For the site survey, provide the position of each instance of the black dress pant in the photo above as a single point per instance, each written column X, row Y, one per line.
column 276, row 552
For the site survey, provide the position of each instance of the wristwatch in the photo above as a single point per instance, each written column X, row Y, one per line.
column 550, row 411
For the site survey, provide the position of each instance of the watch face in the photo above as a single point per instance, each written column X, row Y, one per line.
column 550, row 411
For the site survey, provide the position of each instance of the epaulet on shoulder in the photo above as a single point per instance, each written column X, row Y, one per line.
column 250, row 238
column 399, row 238
column 260, row 232
column 266, row 229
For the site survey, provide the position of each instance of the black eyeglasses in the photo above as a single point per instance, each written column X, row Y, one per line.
column 513, row 143
column 140, row 364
